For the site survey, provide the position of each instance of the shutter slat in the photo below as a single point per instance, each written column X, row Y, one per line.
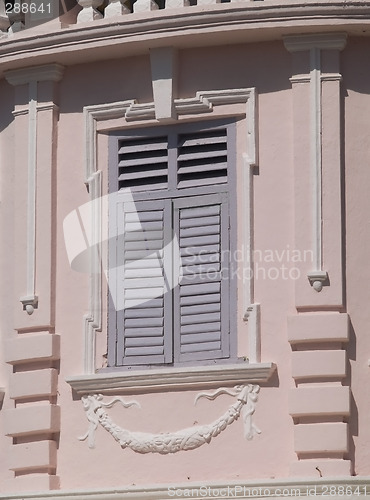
column 143, row 332
column 195, row 319
column 202, row 269
column 214, row 139
column 143, row 162
column 129, row 147
column 142, row 263
column 210, row 167
column 144, row 235
column 153, row 215
column 201, row 327
column 144, row 342
column 160, row 183
column 144, row 245
column 144, row 313
column 201, row 182
column 132, row 305
column 128, row 176
column 199, row 221
column 200, row 230
column 151, row 283
column 143, row 293
column 196, row 251
column 143, row 322
column 144, row 226
column 199, row 241
column 206, row 347
column 213, row 307
column 201, row 337
column 143, row 353
column 142, row 273
column 135, row 255
column 201, row 259
column 200, row 289
column 202, row 212
column 201, row 153
column 200, row 299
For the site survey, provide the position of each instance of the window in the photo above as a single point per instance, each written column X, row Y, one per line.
column 171, row 244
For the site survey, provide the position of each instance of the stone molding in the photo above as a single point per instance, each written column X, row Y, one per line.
column 275, row 20
column 273, row 489
column 171, row 378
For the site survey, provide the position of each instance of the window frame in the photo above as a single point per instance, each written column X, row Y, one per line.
column 176, row 196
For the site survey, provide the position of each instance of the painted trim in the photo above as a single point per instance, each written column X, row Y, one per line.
column 31, row 76
column 204, row 101
column 315, row 43
column 190, row 377
column 325, row 41
column 245, row 490
column 22, row 76
column 30, row 302
column 318, row 276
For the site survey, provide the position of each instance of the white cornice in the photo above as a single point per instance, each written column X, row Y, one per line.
column 333, row 41
column 49, row 72
column 135, row 33
column 198, row 377
column 246, row 490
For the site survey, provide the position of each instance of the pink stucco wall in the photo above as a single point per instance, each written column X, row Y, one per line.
column 282, row 223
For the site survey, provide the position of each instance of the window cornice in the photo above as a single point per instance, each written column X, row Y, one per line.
column 194, row 377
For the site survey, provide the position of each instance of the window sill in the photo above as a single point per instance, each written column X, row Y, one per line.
column 171, row 378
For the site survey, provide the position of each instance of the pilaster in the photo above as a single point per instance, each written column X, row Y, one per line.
column 33, row 351
column 318, row 332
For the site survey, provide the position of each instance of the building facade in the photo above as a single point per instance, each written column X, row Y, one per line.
column 184, row 259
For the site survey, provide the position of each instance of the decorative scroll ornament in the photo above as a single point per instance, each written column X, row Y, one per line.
column 172, row 442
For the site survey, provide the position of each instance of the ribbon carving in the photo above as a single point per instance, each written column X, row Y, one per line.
column 182, row 440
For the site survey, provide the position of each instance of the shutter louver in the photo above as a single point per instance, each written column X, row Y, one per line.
column 202, row 158
column 143, row 282
column 201, row 304
column 143, row 163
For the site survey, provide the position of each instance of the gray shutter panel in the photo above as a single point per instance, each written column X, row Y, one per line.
column 201, row 301
column 202, row 158
column 143, row 163
column 144, row 325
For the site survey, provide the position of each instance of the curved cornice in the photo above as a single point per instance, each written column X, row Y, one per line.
column 187, row 27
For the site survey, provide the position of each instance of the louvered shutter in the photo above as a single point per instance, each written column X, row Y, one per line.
column 143, row 163
column 144, row 323
column 202, row 158
column 201, row 301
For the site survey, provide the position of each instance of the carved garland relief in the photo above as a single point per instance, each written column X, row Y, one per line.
column 185, row 439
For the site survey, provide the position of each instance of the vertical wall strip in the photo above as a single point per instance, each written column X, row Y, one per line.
column 30, row 300
column 317, row 276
